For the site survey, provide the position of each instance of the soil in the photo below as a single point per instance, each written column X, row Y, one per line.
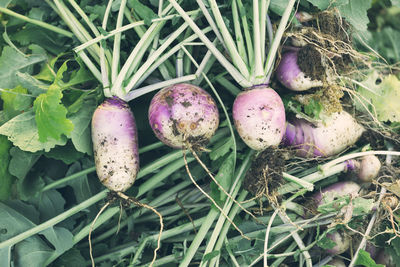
column 265, row 173
column 309, row 61
column 329, row 22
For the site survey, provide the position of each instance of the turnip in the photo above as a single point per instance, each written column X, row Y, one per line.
column 341, row 240
column 115, row 144
column 337, row 262
column 259, row 117
column 337, row 133
column 291, row 76
column 183, row 114
column 369, row 167
column 336, row 190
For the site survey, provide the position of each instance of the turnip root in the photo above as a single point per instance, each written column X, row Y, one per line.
column 115, row 144
column 369, row 168
column 338, row 132
column 291, row 76
column 259, row 117
column 337, row 262
column 336, row 190
column 342, row 242
column 183, row 113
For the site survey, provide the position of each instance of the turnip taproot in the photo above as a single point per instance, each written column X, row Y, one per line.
column 336, row 134
column 183, row 114
column 259, row 117
column 336, row 190
column 341, row 240
column 115, row 144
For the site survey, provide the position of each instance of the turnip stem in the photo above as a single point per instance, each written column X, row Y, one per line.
column 258, row 71
column 228, row 40
column 263, row 18
column 302, row 183
column 278, row 36
column 271, row 220
column 166, row 55
column 37, row 22
column 221, row 58
column 117, row 42
column 125, row 28
column 238, row 33
column 90, row 65
column 247, row 35
column 155, row 55
column 50, row 223
column 84, row 17
column 210, row 21
column 150, row 88
column 356, row 155
column 103, row 65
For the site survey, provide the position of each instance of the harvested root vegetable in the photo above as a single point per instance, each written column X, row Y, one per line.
column 291, row 76
column 338, row 132
column 336, row 190
column 115, row 144
column 183, row 113
column 342, row 242
column 259, row 117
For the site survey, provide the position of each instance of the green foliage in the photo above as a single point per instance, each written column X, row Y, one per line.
column 324, row 242
column 12, row 62
column 143, row 11
column 381, row 95
column 6, row 179
column 224, row 178
column 15, row 101
column 364, row 259
column 51, row 116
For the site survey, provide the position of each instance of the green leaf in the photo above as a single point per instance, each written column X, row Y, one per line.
column 143, row 11
column 355, row 12
column 278, row 6
column 71, row 258
column 15, row 101
column 81, row 136
column 34, row 86
column 81, row 185
column 50, row 116
column 21, row 162
column 6, row 178
column 11, row 62
column 23, row 133
column 4, row 3
column 79, row 76
column 364, row 259
column 49, row 203
column 67, row 153
column 362, row 206
column 5, row 256
column 325, row 242
column 60, row 238
column 384, row 95
column 224, row 178
column 211, row 255
column 32, row 252
column 332, row 203
column 387, row 43
column 221, row 149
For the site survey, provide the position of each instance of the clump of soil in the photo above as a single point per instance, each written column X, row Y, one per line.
column 309, row 61
column 265, row 173
column 329, row 22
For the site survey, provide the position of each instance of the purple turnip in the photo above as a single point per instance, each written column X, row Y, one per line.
column 183, row 114
column 341, row 240
column 259, row 117
column 336, row 190
column 291, row 76
column 115, row 144
column 337, row 133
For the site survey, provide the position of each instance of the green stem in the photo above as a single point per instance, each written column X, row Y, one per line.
column 103, row 64
column 84, row 17
column 247, row 35
column 263, row 26
column 150, row 88
column 238, row 33
column 117, row 42
column 242, row 80
column 228, row 85
column 302, row 183
column 67, row 179
column 50, row 223
column 278, row 36
column 258, row 71
column 37, row 22
column 228, row 40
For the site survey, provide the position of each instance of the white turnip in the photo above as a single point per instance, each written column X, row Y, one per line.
column 337, row 133
column 115, row 144
column 183, row 114
column 259, row 117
